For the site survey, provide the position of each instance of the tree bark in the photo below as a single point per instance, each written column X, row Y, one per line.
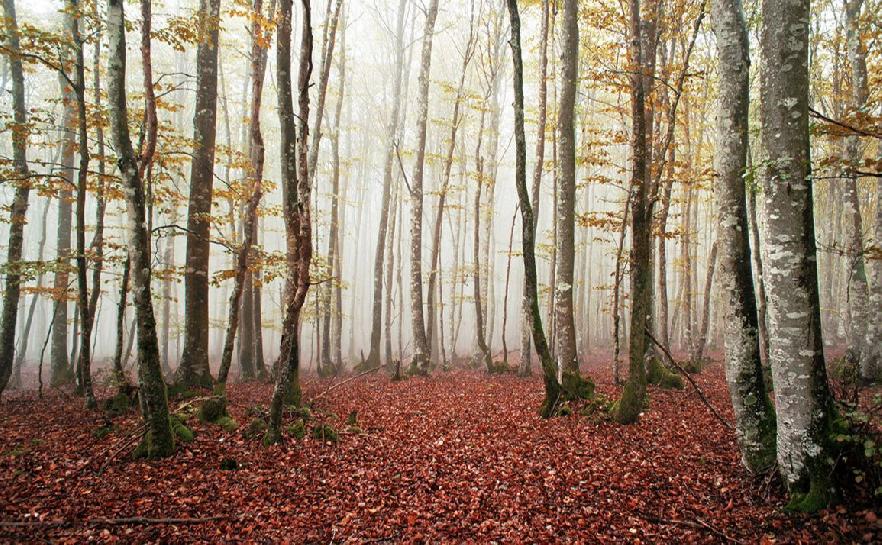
column 629, row 407
column 802, row 396
column 574, row 386
column 549, row 371
column 754, row 415
column 421, row 342
column 373, row 359
column 159, row 439
column 20, row 202
column 298, row 221
column 194, row 367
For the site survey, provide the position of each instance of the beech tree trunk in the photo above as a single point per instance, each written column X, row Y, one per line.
column 528, row 229
column 754, row 415
column 298, row 220
column 629, row 407
column 421, row 341
column 526, row 345
column 159, row 439
column 373, row 359
column 802, row 396
column 574, row 386
column 194, row 367
column 18, row 214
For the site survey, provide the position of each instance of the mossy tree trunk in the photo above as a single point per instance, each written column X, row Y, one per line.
column 298, row 221
column 802, row 395
column 754, row 415
column 528, row 229
column 574, row 385
column 628, row 408
column 159, row 439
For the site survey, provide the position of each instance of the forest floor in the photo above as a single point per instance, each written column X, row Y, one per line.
column 458, row 457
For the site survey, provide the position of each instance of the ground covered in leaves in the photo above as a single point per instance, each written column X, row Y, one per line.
column 457, row 457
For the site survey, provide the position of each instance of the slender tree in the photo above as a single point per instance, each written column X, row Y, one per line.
column 20, row 202
column 421, row 341
column 298, row 221
column 159, row 439
column 630, row 405
column 528, row 230
column 373, row 358
column 574, row 386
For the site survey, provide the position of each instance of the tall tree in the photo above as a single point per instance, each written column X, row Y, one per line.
column 754, row 415
column 574, row 386
column 20, row 202
column 61, row 366
column 159, row 439
column 802, row 396
column 526, row 345
column 630, row 405
column 373, row 358
column 79, row 92
column 194, row 368
column 418, row 324
column 528, row 227
column 298, row 221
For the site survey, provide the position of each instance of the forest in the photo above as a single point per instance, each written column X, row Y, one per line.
column 410, row 271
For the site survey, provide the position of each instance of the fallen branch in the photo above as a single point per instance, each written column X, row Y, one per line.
column 109, row 522
column 698, row 524
column 673, row 363
column 350, row 379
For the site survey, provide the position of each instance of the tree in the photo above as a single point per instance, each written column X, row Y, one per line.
column 802, row 396
column 373, row 358
column 298, row 221
column 421, row 341
column 20, row 202
column 754, row 415
column 159, row 439
column 528, row 229
column 629, row 406
column 574, row 386
column 194, row 367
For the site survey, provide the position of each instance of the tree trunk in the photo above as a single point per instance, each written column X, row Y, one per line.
column 329, row 38
column 18, row 214
column 373, row 359
column 754, row 415
column 549, row 372
column 61, row 372
column 72, row 21
column 421, row 342
column 853, row 225
column 159, row 439
column 574, row 386
column 194, row 367
column 629, row 407
column 483, row 354
column 455, row 121
column 802, row 396
column 331, row 357
column 298, row 220
column 701, row 341
column 26, row 331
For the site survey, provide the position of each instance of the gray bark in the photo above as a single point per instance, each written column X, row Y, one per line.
column 159, row 440
column 802, row 395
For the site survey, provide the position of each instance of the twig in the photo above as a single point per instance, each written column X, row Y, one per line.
column 682, row 371
column 843, row 125
column 110, row 522
column 127, row 443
